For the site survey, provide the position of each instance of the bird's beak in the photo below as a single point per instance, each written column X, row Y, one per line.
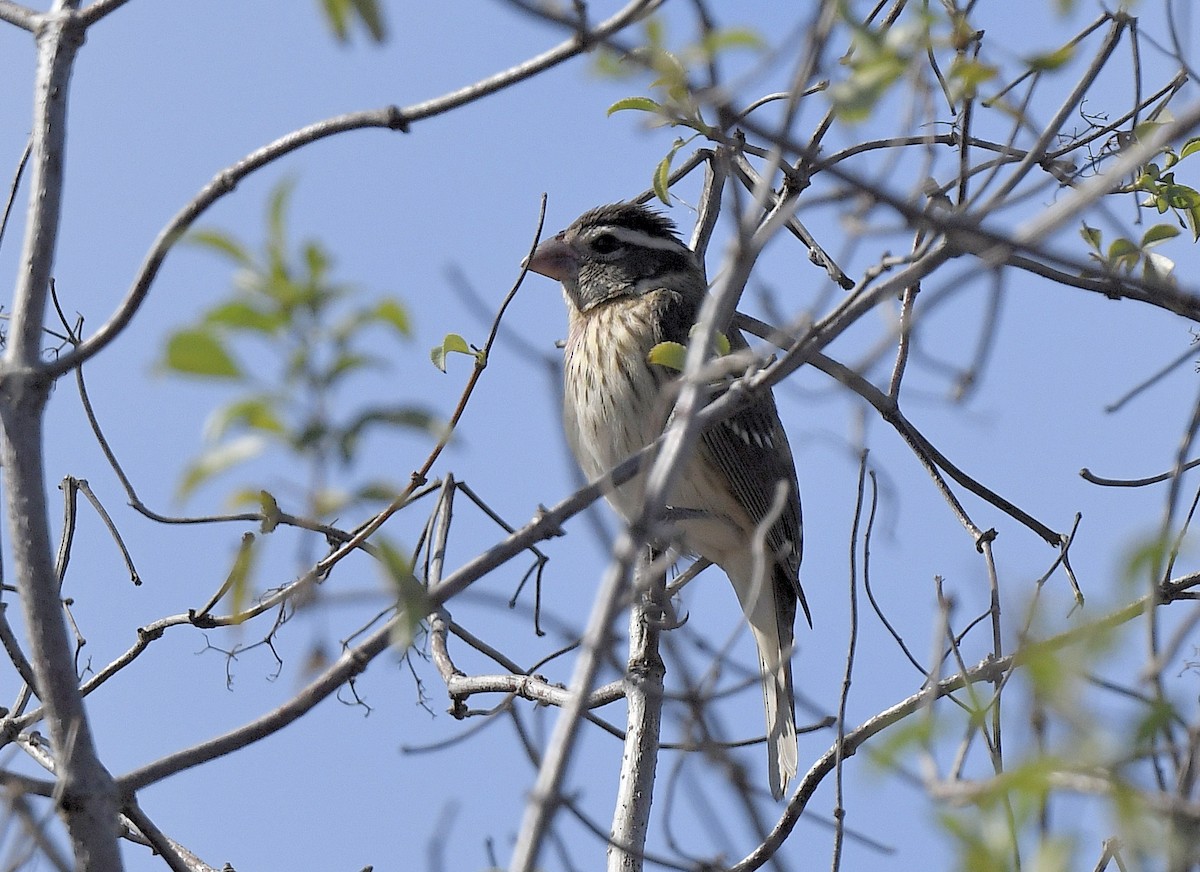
column 554, row 259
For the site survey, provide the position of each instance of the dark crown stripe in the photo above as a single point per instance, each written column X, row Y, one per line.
column 632, row 216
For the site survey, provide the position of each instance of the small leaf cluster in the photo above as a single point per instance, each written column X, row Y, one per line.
column 674, row 103
column 1164, row 192
column 880, row 57
column 315, row 334
column 1123, row 255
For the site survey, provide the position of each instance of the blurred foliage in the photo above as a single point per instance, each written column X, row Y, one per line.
column 309, row 338
column 674, row 102
column 1164, row 192
column 1123, row 255
column 343, row 15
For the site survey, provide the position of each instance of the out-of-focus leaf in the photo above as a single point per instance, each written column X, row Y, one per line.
column 391, row 311
column 410, row 417
column 237, row 583
column 1144, row 130
column 1121, row 247
column 968, row 74
column 221, row 243
column 329, row 501
column 1192, row 218
column 252, row 413
column 1146, row 559
column 377, row 491
column 277, row 206
column 412, row 600
column 1154, row 720
column 218, row 459
column 1051, row 60
column 241, row 315
column 1091, row 236
column 317, row 262
column 341, row 15
column 854, row 98
column 725, row 38
column 371, row 15
column 338, row 13
column 200, row 352
column 1157, row 266
column 348, row 362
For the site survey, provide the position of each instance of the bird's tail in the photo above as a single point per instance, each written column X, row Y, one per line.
column 774, row 660
column 771, row 613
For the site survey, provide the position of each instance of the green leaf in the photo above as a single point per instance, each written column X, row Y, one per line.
column 412, row 600
column 216, row 460
column 221, row 243
column 1192, row 146
column 237, row 582
column 277, row 206
column 1146, row 559
column 376, row 492
column 1121, row 247
column 372, row 18
column 1157, row 717
column 347, row 363
column 452, row 343
column 968, row 75
column 855, row 97
column 640, row 104
column 341, row 12
column 241, row 315
column 1181, row 196
column 1092, row 237
column 1159, row 233
column 722, row 39
column 409, row 417
column 253, row 413
column 317, row 261
column 337, row 11
column 270, row 511
column 661, row 181
column 1051, row 60
column 1146, row 128
column 199, row 352
column 722, row 343
column 668, row 354
column 1192, row 218
column 391, row 311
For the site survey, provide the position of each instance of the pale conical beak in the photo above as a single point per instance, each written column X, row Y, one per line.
column 554, row 259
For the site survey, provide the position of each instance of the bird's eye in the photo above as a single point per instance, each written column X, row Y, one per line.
column 605, row 243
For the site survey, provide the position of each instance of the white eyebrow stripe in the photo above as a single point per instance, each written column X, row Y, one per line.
column 641, row 239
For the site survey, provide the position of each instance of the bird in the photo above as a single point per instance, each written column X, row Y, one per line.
column 630, row 283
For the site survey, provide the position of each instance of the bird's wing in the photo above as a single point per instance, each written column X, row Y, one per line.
column 750, row 448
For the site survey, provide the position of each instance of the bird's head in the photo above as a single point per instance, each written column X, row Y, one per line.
column 620, row 250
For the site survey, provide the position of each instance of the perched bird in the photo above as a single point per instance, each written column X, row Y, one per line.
column 631, row 283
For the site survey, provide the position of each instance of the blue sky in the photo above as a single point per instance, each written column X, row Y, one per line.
column 165, row 95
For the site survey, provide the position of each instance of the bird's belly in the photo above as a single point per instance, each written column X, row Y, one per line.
column 618, row 409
